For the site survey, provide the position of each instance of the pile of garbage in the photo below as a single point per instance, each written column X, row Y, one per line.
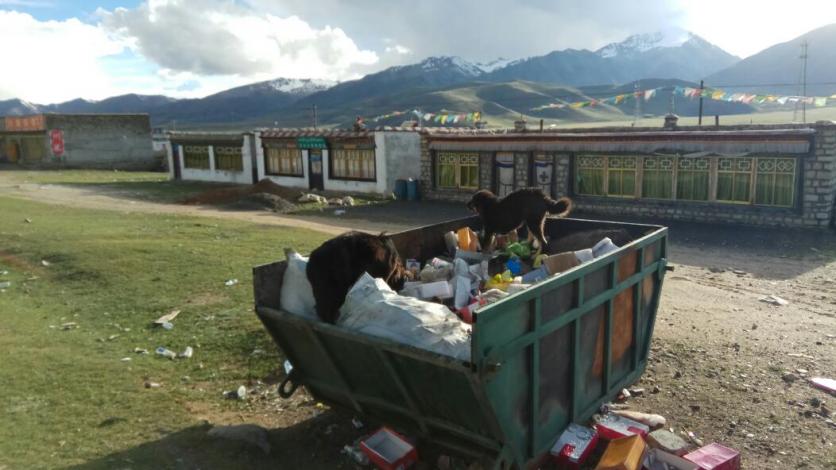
column 631, row 440
column 614, row 440
column 435, row 309
column 467, row 279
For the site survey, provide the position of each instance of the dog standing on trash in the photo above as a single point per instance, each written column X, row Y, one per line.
column 335, row 266
column 527, row 206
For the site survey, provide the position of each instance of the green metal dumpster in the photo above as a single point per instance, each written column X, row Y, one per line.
column 541, row 358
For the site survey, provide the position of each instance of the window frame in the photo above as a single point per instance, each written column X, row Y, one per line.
column 332, row 157
column 458, row 165
column 301, row 162
column 185, row 157
column 237, row 152
column 713, row 179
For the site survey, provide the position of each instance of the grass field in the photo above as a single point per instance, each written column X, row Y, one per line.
column 68, row 398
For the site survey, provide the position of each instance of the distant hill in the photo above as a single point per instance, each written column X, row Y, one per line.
column 502, row 89
column 670, row 54
column 780, row 64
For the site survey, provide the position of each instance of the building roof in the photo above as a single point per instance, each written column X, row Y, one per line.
column 287, row 133
column 702, row 141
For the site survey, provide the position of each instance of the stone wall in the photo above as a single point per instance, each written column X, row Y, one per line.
column 104, row 141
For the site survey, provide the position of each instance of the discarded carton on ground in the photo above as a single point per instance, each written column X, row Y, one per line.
column 388, row 450
column 667, row 441
column 715, row 457
column 659, row 460
column 574, row 446
column 612, row 426
column 626, row 453
column 828, row 385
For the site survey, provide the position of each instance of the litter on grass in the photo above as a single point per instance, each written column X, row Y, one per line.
column 774, row 300
column 167, row 318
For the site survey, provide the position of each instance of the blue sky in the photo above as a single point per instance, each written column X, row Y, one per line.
column 188, row 48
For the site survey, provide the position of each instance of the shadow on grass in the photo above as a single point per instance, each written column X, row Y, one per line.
column 313, row 443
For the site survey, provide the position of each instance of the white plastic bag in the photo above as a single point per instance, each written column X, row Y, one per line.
column 297, row 294
column 371, row 307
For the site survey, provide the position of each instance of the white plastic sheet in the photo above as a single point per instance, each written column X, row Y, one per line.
column 371, row 307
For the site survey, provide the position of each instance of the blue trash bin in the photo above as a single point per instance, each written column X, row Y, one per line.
column 412, row 190
column 400, row 190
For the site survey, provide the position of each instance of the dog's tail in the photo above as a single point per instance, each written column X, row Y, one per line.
column 560, row 207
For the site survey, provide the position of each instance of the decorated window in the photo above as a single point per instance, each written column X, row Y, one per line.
column 196, row 157
column 768, row 181
column 283, row 161
column 657, row 177
column 775, row 181
column 692, row 178
column 229, row 159
column 589, row 175
column 457, row 170
column 621, row 176
column 355, row 164
column 734, row 179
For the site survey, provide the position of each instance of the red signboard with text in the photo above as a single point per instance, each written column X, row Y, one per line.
column 24, row 123
column 56, row 137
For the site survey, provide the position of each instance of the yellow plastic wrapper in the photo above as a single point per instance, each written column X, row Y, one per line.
column 500, row 281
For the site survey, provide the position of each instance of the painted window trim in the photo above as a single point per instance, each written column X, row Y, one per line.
column 713, row 173
column 239, row 154
column 208, row 155
column 458, row 186
column 332, row 154
column 286, row 175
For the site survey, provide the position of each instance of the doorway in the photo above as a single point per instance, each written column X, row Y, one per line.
column 315, row 169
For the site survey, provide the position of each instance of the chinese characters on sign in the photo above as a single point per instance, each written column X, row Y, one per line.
column 56, row 138
column 24, row 123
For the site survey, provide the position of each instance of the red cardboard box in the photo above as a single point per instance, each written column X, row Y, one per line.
column 388, row 450
column 715, row 457
column 574, row 446
column 615, row 427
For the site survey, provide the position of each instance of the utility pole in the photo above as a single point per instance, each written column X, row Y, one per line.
column 637, row 110
column 803, row 85
column 314, row 116
column 702, row 88
column 804, row 81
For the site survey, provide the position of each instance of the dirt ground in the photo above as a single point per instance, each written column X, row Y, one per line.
column 724, row 366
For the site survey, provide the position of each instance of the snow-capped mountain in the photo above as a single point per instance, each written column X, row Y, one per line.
column 300, row 86
column 674, row 53
column 448, row 65
column 16, row 107
column 488, row 67
column 639, row 43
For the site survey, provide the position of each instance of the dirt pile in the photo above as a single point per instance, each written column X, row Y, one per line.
column 265, row 201
column 264, row 194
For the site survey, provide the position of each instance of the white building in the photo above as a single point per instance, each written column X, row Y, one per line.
column 361, row 161
column 222, row 157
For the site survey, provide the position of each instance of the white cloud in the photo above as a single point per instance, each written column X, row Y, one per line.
column 208, row 37
column 398, row 49
column 49, row 61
